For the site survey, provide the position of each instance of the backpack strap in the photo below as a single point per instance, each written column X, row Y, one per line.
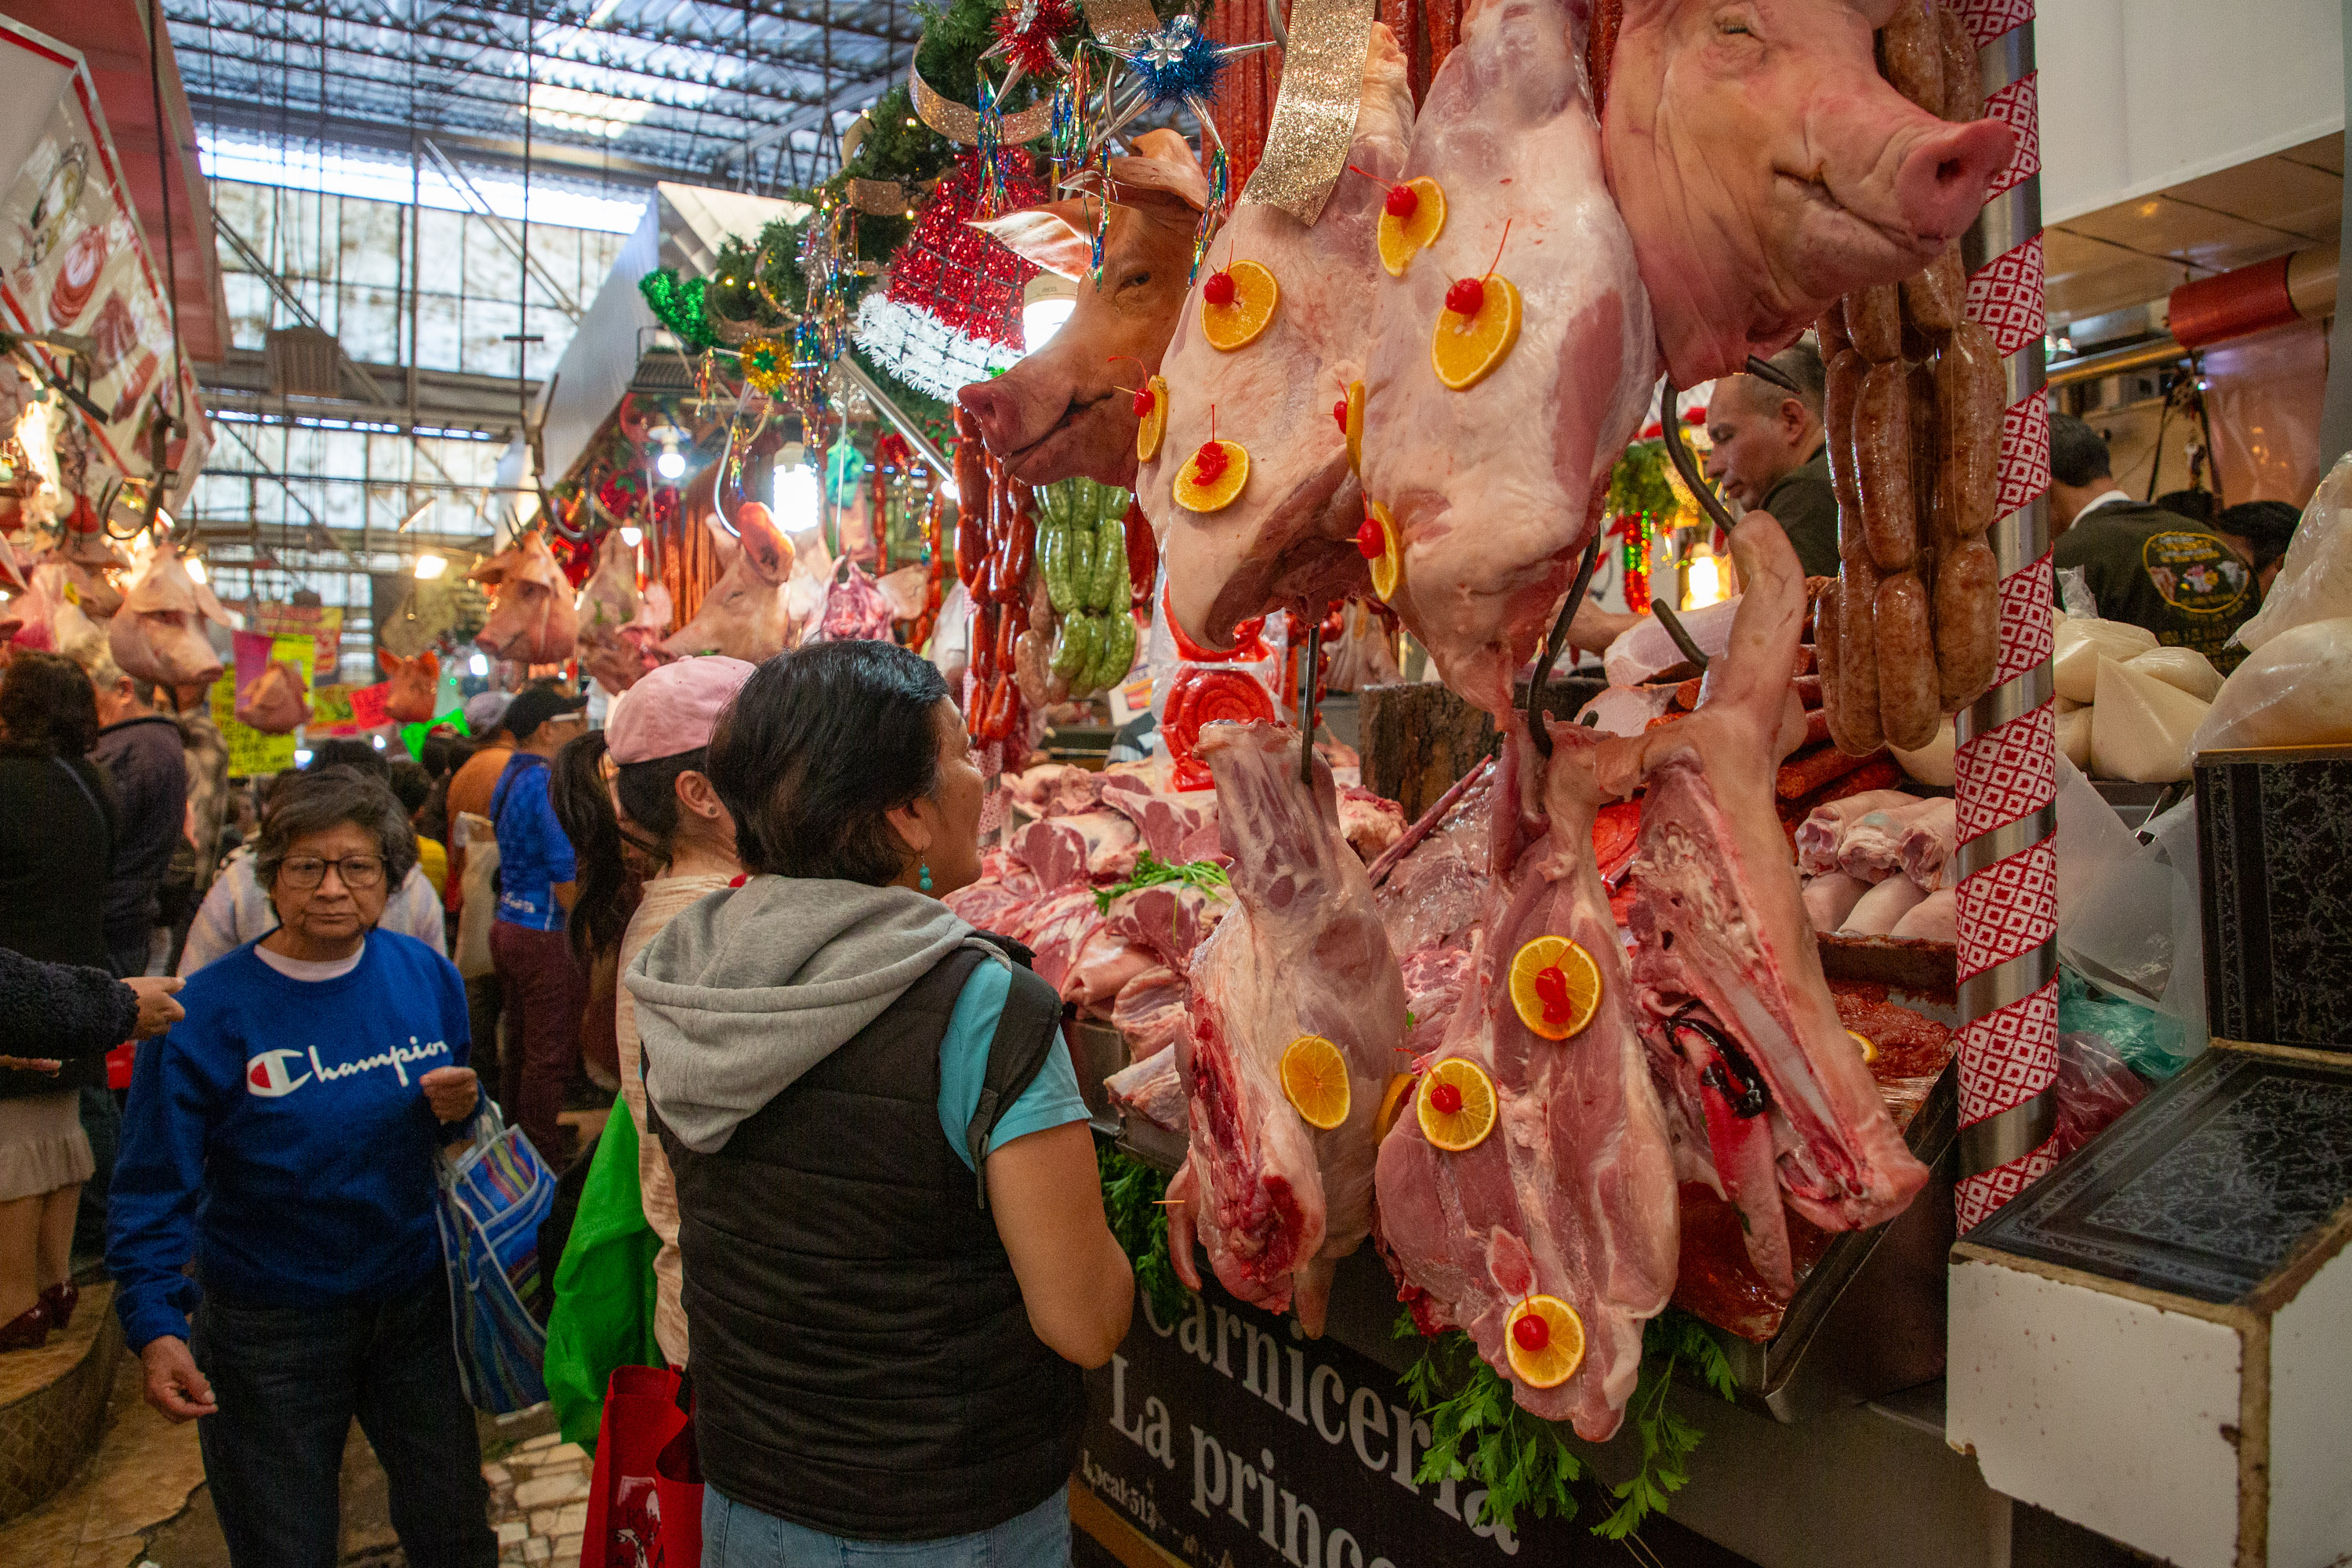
column 1025, row 1033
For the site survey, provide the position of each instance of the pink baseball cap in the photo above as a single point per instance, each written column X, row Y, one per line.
column 674, row 709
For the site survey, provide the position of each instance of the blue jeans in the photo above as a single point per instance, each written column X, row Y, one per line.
column 290, row 1380
column 734, row 1536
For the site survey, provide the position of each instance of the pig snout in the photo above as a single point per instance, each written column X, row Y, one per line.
column 998, row 410
column 1941, row 182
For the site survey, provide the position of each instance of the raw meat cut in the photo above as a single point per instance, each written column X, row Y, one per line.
column 1166, row 821
column 1925, row 850
column 1059, row 932
column 1434, row 978
column 1103, row 968
column 1170, row 920
column 1435, row 892
column 1492, row 490
column 1290, row 537
column 1823, row 833
column 1872, row 848
column 1572, row 1194
column 1149, row 1087
column 1830, row 898
column 1054, row 853
column 1369, row 823
column 1110, row 839
column 855, row 609
column 1730, row 977
column 620, row 627
column 1277, row 1203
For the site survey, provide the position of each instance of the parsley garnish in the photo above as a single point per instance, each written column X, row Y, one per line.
column 1151, row 871
column 1131, row 1194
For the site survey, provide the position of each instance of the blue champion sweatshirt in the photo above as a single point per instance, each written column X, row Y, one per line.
column 276, row 1135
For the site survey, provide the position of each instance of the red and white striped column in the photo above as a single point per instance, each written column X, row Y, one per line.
column 2006, row 764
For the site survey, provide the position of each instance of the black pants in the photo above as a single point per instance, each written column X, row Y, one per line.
column 290, row 1380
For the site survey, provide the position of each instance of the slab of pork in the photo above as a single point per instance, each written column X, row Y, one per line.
column 1730, row 977
column 1491, row 488
column 1276, row 1203
column 1572, row 1194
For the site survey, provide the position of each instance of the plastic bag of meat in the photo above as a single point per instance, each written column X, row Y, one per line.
column 2095, row 1087
column 855, row 609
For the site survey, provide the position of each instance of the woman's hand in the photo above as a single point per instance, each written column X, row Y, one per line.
column 50, row 1065
column 174, row 1386
column 157, row 1010
column 451, row 1091
column 1046, row 1191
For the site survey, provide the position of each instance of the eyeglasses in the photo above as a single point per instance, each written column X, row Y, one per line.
column 305, row 871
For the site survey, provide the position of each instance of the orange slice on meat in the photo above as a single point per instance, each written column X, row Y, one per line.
column 1400, row 238
column 1544, row 1339
column 1464, row 349
column 1554, row 986
column 1152, row 429
column 1388, row 567
column 1315, row 1081
column 1392, row 1105
column 1237, row 323
column 1354, row 426
column 1869, row 1047
column 1204, row 484
column 1456, row 1105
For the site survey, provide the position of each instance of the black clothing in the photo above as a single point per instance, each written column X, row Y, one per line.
column 863, row 1363
column 148, row 760
column 1805, row 507
column 2157, row 568
column 61, row 1010
column 57, row 836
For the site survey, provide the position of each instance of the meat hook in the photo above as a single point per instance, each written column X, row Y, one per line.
column 1556, row 642
column 1731, row 1074
column 1671, row 429
column 1764, row 370
column 1681, row 634
column 1274, row 24
column 1310, row 669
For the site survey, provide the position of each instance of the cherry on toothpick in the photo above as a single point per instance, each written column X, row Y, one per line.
column 1209, row 464
column 1340, row 413
column 1532, row 1332
column 1143, row 402
column 1219, row 288
column 1466, row 297
column 1402, row 202
column 1445, row 1100
column 1370, row 543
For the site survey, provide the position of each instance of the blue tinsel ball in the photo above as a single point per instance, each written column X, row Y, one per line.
column 1177, row 63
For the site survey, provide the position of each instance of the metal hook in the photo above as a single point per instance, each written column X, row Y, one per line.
column 1682, row 639
column 1678, row 450
column 1556, row 642
column 1764, row 370
column 1309, row 669
column 1747, row 1096
column 1274, row 22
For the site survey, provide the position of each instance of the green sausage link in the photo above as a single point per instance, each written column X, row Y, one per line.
column 1117, row 650
column 1074, row 647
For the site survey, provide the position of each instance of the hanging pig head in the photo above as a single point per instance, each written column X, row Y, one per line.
column 1765, row 168
column 745, row 615
column 275, row 702
column 410, row 700
column 621, row 627
column 159, row 632
column 533, row 620
column 1059, row 413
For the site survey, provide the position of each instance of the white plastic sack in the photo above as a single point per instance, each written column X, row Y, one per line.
column 2295, row 690
column 2081, row 644
column 2128, row 913
column 2140, row 726
column 2314, row 581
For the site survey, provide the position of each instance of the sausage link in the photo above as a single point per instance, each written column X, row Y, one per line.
column 1935, row 297
column 1911, row 55
column 1967, row 622
column 1827, row 634
column 1969, row 394
column 1882, row 465
column 1920, row 394
column 1842, row 388
column 1874, row 320
column 1831, row 331
column 1963, row 90
column 1854, row 711
column 1024, row 553
column 1910, row 705
column 985, row 623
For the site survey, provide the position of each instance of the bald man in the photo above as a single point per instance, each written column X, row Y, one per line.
column 1769, row 454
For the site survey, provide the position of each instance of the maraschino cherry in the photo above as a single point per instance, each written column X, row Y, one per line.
column 1532, row 1332
column 1466, row 297
column 1402, row 202
column 1371, row 543
column 1445, row 1100
column 1143, row 402
column 1218, row 289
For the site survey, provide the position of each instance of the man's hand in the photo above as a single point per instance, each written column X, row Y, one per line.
column 157, row 1010
column 49, row 1065
column 451, row 1091
column 174, row 1386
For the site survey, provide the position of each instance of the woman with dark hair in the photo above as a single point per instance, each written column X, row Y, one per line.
column 895, row 1255
column 58, row 829
column 283, row 1137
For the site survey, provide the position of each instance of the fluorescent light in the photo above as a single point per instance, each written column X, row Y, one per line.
column 197, row 568
column 633, row 537
column 479, row 665
column 799, row 497
column 379, row 743
column 428, row 567
column 301, row 756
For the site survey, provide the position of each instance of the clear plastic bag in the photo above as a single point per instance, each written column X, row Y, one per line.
column 2293, row 690
column 2095, row 1087
column 2314, row 581
column 2129, row 923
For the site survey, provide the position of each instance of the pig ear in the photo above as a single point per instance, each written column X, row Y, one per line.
column 1164, row 161
column 431, row 663
column 765, row 548
column 1054, row 236
column 385, row 662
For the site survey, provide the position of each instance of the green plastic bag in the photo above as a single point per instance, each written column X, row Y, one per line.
column 2152, row 1043
column 604, row 1288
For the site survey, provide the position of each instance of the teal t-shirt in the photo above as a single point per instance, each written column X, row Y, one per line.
column 1052, row 1099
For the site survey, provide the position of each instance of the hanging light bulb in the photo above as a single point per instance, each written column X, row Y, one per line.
column 478, row 666
column 633, row 537
column 799, row 497
column 1704, row 583
column 428, row 567
column 671, row 464
column 195, row 565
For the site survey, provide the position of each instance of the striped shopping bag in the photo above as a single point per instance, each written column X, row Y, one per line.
column 494, row 1192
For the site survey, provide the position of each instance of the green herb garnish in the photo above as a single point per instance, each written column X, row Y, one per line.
column 1151, row 871
column 1131, row 1194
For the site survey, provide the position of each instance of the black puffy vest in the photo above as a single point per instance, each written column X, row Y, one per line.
column 862, row 1361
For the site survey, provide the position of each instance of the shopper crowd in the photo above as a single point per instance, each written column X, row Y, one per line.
column 846, row 1122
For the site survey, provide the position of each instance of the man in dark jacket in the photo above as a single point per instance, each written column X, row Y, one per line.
column 1769, row 454
column 2150, row 567
column 143, row 752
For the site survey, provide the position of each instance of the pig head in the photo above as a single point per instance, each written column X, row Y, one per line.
column 159, row 632
column 410, row 700
column 275, row 702
column 620, row 628
column 533, row 620
column 1765, row 168
column 746, row 614
column 1290, row 537
column 1059, row 413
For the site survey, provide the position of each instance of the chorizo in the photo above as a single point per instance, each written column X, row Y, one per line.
column 1840, row 390
column 1853, row 713
column 1970, row 397
column 1830, row 332
column 1021, row 555
column 1032, row 666
column 1967, row 622
column 1935, row 297
column 1911, row 55
column 1882, row 465
column 986, row 621
column 1873, row 322
column 1920, row 394
column 1963, row 89
column 1909, row 696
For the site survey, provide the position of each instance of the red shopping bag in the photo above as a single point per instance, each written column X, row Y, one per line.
column 626, row 1511
column 677, row 1481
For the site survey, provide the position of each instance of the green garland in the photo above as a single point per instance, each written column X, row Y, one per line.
column 1478, row 1432
column 678, row 307
column 1138, row 1222
column 1638, row 484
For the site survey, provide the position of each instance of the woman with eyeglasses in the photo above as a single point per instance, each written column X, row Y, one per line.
column 282, row 1136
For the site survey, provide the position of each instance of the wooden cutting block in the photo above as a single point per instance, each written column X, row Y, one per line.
column 2152, row 1340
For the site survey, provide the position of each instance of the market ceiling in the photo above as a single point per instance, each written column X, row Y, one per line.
column 668, row 89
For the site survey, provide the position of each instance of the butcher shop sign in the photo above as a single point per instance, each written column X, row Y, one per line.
column 1230, row 1439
